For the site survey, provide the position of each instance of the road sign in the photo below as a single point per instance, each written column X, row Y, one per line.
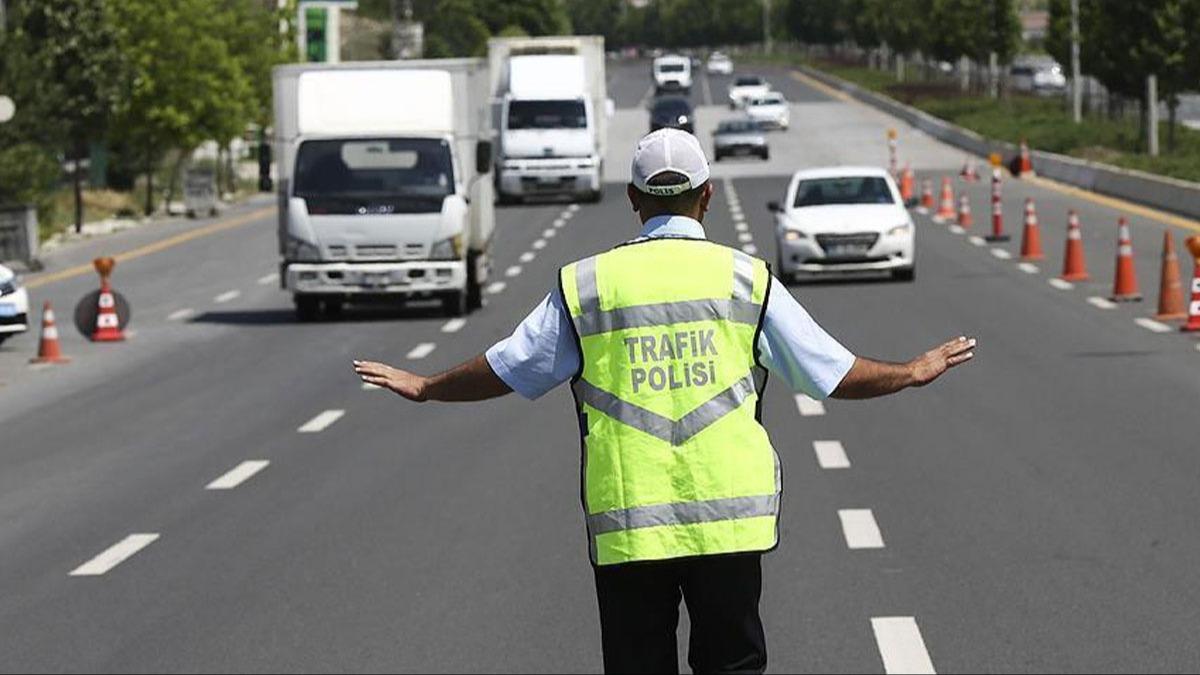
column 7, row 109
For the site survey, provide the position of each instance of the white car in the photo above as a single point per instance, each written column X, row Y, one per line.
column 14, row 305
column 719, row 64
column 844, row 220
column 746, row 87
column 770, row 111
column 672, row 73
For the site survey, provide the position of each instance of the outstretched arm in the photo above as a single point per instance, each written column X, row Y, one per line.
column 869, row 379
column 472, row 380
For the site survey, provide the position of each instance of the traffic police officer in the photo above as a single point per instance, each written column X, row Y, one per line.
column 667, row 340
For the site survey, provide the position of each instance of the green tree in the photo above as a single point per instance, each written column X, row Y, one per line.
column 455, row 30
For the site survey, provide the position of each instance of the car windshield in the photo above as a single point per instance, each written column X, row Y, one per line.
column 672, row 106
column 847, row 190
column 547, row 115
column 736, row 127
column 748, row 82
column 671, row 68
column 374, row 168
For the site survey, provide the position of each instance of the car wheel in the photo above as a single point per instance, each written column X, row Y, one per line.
column 308, row 307
column 334, row 307
column 905, row 274
column 766, row 155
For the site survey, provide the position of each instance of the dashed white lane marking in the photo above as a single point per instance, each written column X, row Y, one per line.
column 809, row 407
column 976, row 240
column 539, row 244
column 741, row 227
column 831, row 455
column 528, row 256
column 240, row 474
column 268, row 279
column 454, row 325
column 1101, row 303
column 1060, row 284
column 115, row 555
column 751, row 249
column 745, row 237
column 1028, row 268
column 181, row 314
column 1152, row 325
column 496, row 287
column 421, row 351
column 227, row 296
column 922, row 210
column 549, row 233
column 860, row 528
column 1198, row 346
column 901, row 645
column 573, row 208
column 559, row 222
column 1001, row 254
column 512, row 271
column 957, row 229
column 321, row 422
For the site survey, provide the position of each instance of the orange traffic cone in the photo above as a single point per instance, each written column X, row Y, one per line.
column 49, row 350
column 1170, row 289
column 1031, row 238
column 108, row 325
column 927, row 195
column 1026, row 164
column 906, row 183
column 965, row 220
column 946, row 209
column 968, row 172
column 1074, row 263
column 1125, row 286
column 1193, row 323
column 997, row 234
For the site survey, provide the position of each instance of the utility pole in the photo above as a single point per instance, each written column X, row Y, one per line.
column 767, row 26
column 1076, row 75
column 1152, row 115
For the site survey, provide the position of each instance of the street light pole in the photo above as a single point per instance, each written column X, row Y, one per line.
column 1076, row 76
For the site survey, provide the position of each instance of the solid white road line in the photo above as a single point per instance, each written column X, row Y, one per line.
column 527, row 257
column 512, row 271
column 115, row 555
column 976, row 240
column 1153, row 326
column 1001, row 254
column 539, row 244
column 860, row 529
column 181, row 314
column 321, row 422
column 496, row 287
column 1028, row 268
column 421, row 351
column 901, row 645
column 454, row 325
column 227, row 296
column 751, row 249
column 831, row 455
column 809, row 407
column 268, row 279
column 240, row 474
column 1101, row 303
column 1060, row 284
column 549, row 233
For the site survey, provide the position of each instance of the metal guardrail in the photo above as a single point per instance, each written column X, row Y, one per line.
column 19, row 235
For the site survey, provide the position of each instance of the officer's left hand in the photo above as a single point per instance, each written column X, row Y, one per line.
column 409, row 385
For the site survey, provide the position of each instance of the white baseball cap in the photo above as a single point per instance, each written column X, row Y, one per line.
column 669, row 151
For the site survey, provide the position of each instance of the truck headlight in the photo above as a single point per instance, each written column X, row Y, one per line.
column 447, row 249
column 298, row 250
column 794, row 235
column 899, row 230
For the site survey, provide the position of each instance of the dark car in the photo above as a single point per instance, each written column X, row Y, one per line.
column 672, row 111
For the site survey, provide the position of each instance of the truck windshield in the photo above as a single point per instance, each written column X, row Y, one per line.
column 547, row 115
column 849, row 190
column 375, row 168
column 671, row 68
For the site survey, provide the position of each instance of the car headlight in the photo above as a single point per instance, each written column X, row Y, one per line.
column 794, row 235
column 298, row 250
column 447, row 249
column 900, row 230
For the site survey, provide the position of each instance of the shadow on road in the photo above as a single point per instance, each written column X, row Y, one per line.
column 349, row 315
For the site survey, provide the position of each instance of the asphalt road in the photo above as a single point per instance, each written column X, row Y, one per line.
column 1034, row 510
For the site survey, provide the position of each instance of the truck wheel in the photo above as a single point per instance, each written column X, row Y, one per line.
column 3, row 337
column 308, row 308
column 454, row 304
column 905, row 274
column 474, row 288
column 594, row 197
column 334, row 307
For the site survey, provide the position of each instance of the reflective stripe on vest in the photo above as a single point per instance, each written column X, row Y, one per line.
column 676, row 463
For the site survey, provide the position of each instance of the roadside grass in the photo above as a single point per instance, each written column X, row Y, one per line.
column 97, row 205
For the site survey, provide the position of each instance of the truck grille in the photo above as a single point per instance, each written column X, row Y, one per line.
column 386, row 251
column 859, row 240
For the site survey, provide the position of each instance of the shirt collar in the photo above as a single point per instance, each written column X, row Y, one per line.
column 673, row 226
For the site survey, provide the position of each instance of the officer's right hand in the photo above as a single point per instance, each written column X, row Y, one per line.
column 409, row 385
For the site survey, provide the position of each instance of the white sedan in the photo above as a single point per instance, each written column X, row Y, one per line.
column 14, row 305
column 770, row 111
column 719, row 64
column 844, row 220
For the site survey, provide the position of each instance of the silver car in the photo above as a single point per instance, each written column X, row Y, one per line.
column 739, row 137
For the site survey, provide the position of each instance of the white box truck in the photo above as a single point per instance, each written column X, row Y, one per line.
column 383, row 186
column 551, row 110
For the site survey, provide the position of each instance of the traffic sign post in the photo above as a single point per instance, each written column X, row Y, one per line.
column 319, row 40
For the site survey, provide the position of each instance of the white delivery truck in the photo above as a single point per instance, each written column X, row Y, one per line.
column 383, row 192
column 551, row 109
column 672, row 73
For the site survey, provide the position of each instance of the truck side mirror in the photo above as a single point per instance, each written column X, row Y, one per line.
column 483, row 157
column 774, row 207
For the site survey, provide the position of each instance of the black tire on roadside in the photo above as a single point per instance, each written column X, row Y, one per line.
column 308, row 308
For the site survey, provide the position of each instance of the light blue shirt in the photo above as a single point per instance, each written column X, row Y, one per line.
column 542, row 354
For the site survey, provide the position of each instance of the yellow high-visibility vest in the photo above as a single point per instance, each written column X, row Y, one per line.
column 675, row 461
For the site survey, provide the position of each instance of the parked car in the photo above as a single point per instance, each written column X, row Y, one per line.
column 1038, row 76
column 746, row 87
column 14, row 305
column 843, row 220
column 770, row 111
column 674, row 112
column 719, row 64
column 739, row 137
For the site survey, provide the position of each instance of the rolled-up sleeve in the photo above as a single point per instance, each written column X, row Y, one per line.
column 795, row 348
column 540, row 354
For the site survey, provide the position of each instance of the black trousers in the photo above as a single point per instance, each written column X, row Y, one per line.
column 639, row 615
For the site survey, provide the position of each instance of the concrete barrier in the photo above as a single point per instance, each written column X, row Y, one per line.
column 1167, row 194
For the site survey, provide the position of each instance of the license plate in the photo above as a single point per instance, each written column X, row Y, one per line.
column 847, row 251
column 374, row 280
column 7, row 310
